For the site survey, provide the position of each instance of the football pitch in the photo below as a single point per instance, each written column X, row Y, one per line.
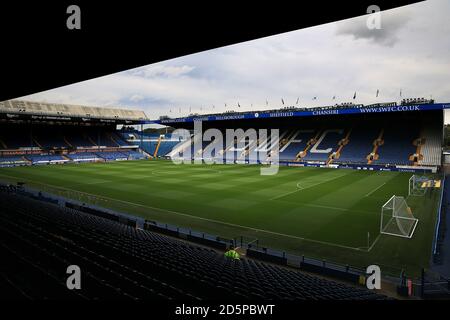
column 331, row 214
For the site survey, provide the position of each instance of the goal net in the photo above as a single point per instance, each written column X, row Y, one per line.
column 416, row 185
column 397, row 218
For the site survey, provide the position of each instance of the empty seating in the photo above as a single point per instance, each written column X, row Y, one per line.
column 325, row 145
column 40, row 144
column 45, row 159
column 359, row 146
column 110, row 156
column 83, row 156
column 166, row 146
column 432, row 146
column 149, row 146
column 11, row 160
column 346, row 144
column 398, row 145
column 48, row 137
column 134, row 155
column 322, row 142
column 119, row 261
column 296, row 144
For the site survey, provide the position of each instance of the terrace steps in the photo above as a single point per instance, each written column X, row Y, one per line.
column 90, row 140
column 309, row 145
column 113, row 140
column 342, row 143
column 376, row 143
column 417, row 156
column 3, row 144
column 37, row 143
column 25, row 159
column 67, row 142
column 157, row 147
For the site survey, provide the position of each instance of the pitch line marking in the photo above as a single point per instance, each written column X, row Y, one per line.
column 375, row 190
column 330, row 207
column 195, row 217
column 300, row 188
column 163, row 172
column 373, row 243
column 337, row 208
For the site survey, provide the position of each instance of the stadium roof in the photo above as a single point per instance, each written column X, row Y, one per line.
column 55, row 111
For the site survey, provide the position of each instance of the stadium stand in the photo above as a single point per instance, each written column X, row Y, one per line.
column 118, row 139
column 352, row 145
column 343, row 134
column 407, row 139
column 42, row 133
column 53, row 109
column 105, row 139
column 397, row 145
column 83, row 156
column 325, row 145
column 134, row 155
column 432, row 146
column 151, row 143
column 13, row 139
column 166, row 146
column 78, row 140
column 359, row 146
column 39, row 240
column 297, row 143
column 110, row 156
column 45, row 159
column 49, row 139
column 45, row 144
column 12, row 160
column 149, row 146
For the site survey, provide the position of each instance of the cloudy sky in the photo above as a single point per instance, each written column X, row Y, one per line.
column 411, row 52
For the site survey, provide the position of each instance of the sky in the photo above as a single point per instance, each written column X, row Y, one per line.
column 410, row 53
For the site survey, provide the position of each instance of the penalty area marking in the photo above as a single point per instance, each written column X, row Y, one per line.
column 299, row 188
column 375, row 190
column 373, row 243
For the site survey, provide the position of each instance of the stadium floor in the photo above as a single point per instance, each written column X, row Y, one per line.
column 323, row 213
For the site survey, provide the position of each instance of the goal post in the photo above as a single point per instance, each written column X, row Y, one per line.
column 415, row 185
column 397, row 218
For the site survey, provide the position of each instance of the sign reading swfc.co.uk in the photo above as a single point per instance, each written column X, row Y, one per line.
column 314, row 112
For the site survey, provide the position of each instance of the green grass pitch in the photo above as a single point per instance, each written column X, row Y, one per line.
column 316, row 212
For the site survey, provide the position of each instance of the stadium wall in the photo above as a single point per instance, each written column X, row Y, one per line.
column 346, row 166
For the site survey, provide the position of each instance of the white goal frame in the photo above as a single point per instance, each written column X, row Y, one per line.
column 388, row 206
column 414, row 185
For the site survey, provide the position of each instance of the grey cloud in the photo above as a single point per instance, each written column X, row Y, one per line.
column 158, row 70
column 391, row 24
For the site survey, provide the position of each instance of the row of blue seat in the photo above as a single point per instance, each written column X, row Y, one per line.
column 119, row 261
column 80, row 156
column 59, row 138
